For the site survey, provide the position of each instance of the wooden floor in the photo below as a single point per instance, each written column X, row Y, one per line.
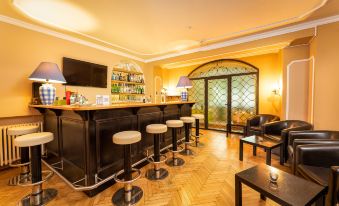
column 206, row 179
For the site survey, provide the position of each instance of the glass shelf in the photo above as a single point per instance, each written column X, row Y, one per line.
column 126, row 82
column 128, row 94
column 125, row 71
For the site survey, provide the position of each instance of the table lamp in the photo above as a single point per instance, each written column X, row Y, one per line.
column 49, row 73
column 184, row 82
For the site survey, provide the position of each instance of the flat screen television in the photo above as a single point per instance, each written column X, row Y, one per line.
column 81, row 73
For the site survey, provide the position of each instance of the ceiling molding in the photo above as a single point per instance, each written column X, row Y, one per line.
column 249, row 38
column 269, row 49
column 264, row 35
column 203, row 41
column 59, row 35
column 268, row 26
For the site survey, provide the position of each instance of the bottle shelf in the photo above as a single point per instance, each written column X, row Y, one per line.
column 128, row 94
column 125, row 71
column 126, row 82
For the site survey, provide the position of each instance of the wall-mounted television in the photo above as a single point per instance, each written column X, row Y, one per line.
column 81, row 73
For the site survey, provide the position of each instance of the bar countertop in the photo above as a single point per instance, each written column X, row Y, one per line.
column 103, row 107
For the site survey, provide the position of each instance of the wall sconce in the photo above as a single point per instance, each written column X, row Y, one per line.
column 277, row 89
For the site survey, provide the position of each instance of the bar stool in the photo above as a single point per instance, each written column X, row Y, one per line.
column 23, row 163
column 129, row 195
column 156, row 173
column 38, row 195
column 175, row 161
column 188, row 121
column 197, row 125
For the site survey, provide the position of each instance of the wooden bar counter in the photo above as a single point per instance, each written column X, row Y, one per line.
column 82, row 152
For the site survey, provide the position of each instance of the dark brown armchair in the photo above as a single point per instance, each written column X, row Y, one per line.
column 279, row 131
column 253, row 125
column 297, row 138
column 319, row 163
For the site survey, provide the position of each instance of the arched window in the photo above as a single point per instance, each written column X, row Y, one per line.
column 226, row 91
column 222, row 67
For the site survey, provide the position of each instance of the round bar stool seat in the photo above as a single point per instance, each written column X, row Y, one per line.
column 129, row 194
column 126, row 137
column 156, row 173
column 23, row 163
column 188, row 121
column 197, row 117
column 174, row 123
column 33, row 139
column 175, row 161
column 38, row 196
column 156, row 128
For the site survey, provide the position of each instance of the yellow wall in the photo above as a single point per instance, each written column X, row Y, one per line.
column 21, row 51
column 326, row 98
column 270, row 73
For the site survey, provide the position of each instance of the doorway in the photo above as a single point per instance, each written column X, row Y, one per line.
column 226, row 92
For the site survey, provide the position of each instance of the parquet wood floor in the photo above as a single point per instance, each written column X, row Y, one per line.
column 206, row 179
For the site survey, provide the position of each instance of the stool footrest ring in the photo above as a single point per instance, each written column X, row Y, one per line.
column 151, row 159
column 18, row 163
column 190, row 142
column 24, row 182
column 180, row 149
column 127, row 181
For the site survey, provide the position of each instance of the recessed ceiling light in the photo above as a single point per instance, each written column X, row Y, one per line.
column 57, row 13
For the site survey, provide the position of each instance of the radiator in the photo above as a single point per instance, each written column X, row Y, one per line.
column 8, row 152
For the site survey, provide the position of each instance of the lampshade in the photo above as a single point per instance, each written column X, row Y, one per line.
column 184, row 82
column 47, row 72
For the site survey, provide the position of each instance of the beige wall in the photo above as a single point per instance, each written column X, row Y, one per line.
column 21, row 50
column 270, row 73
column 326, row 95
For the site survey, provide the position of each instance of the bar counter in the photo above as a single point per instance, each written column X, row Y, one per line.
column 82, row 152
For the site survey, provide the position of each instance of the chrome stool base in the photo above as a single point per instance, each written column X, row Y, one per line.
column 14, row 181
column 175, row 162
column 187, row 152
column 47, row 195
column 159, row 174
column 199, row 144
column 119, row 197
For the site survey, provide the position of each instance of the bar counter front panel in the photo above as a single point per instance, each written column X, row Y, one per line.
column 82, row 149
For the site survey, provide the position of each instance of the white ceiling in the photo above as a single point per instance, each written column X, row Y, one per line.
column 152, row 28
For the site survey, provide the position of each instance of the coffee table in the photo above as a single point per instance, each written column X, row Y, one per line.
column 289, row 189
column 263, row 142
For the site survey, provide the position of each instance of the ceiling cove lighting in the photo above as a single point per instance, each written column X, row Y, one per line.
column 57, row 13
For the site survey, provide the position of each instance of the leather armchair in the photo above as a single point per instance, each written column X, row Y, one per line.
column 319, row 163
column 253, row 125
column 297, row 138
column 279, row 131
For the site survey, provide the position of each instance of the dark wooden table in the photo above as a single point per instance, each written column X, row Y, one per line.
column 289, row 189
column 263, row 142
